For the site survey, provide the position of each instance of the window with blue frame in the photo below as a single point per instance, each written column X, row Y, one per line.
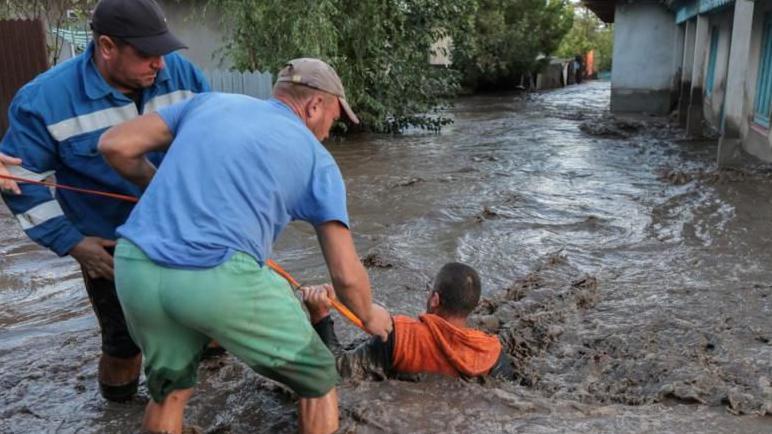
column 711, row 77
column 764, row 81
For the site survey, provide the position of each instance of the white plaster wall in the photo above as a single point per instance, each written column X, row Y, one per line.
column 755, row 140
column 678, row 55
column 643, row 46
column 202, row 34
column 713, row 103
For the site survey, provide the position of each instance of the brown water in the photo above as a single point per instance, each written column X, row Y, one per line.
column 629, row 280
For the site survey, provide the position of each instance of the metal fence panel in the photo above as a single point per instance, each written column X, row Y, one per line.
column 22, row 56
column 255, row 84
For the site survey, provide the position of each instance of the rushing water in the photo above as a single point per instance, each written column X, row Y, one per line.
column 629, row 280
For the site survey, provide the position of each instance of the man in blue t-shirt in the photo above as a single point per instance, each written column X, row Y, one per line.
column 55, row 121
column 191, row 261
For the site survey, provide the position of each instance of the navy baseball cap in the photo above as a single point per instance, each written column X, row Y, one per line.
column 141, row 23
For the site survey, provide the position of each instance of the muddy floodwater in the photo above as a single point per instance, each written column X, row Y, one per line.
column 630, row 281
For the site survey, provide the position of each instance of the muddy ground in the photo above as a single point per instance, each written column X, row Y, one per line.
column 628, row 278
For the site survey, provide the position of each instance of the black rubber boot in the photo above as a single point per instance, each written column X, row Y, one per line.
column 120, row 393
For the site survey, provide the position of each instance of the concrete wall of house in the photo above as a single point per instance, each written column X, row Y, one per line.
column 642, row 70
column 687, row 63
column 755, row 139
column 678, row 55
column 202, row 34
column 721, row 20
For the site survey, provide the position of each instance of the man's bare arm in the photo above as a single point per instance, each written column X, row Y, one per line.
column 124, row 147
column 349, row 277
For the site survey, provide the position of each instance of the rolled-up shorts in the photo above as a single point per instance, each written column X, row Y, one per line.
column 249, row 309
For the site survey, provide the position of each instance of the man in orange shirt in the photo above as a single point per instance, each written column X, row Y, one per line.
column 438, row 342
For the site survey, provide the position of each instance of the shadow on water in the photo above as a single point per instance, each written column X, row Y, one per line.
column 626, row 276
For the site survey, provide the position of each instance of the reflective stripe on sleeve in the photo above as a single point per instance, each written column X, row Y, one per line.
column 170, row 98
column 92, row 122
column 39, row 214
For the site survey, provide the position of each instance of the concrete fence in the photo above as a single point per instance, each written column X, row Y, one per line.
column 255, row 84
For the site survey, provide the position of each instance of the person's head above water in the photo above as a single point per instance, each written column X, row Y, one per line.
column 313, row 90
column 456, row 292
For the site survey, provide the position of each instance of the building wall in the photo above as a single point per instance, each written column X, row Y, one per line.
column 756, row 140
column 642, row 70
column 714, row 102
column 202, row 34
column 678, row 56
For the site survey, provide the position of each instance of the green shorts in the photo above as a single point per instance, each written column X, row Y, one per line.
column 172, row 314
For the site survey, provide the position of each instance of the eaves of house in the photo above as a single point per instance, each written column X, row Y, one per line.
column 683, row 9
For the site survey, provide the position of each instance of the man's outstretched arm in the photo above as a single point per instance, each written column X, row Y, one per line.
column 349, row 277
column 371, row 359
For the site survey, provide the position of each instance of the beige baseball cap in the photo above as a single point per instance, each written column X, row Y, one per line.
column 316, row 74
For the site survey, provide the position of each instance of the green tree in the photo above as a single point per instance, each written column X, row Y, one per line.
column 380, row 48
column 511, row 37
column 589, row 33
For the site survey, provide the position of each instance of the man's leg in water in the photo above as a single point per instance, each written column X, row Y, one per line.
column 318, row 415
column 166, row 416
column 121, row 361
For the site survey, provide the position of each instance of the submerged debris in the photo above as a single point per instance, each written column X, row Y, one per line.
column 482, row 158
column 486, row 214
column 611, row 127
column 408, row 182
column 375, row 260
column 530, row 314
column 715, row 176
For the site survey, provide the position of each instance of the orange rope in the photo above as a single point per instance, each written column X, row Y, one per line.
column 340, row 307
column 67, row 187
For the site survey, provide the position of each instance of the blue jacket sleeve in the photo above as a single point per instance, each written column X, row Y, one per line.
column 36, row 209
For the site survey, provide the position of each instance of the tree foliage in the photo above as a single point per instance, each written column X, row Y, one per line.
column 512, row 36
column 380, row 48
column 589, row 33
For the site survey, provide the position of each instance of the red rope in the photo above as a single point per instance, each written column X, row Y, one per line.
column 79, row 190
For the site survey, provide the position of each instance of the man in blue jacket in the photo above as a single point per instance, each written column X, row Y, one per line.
column 55, row 123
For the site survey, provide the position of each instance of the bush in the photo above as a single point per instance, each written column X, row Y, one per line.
column 512, row 35
column 380, row 48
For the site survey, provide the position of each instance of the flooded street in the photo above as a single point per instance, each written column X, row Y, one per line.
column 629, row 280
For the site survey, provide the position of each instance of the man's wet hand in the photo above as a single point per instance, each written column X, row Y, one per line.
column 317, row 299
column 5, row 184
column 94, row 258
column 379, row 322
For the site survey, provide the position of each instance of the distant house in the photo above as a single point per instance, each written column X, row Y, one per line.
column 709, row 59
column 202, row 34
